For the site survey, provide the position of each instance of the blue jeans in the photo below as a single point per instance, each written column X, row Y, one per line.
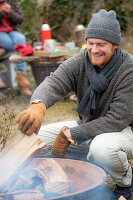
column 9, row 40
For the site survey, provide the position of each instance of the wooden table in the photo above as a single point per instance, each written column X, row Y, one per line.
column 42, row 63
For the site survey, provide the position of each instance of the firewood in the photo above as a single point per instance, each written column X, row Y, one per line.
column 21, row 182
column 55, row 179
column 25, row 179
column 16, row 155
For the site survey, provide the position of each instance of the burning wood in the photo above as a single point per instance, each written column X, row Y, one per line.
column 47, row 178
column 15, row 155
column 26, row 179
column 55, row 179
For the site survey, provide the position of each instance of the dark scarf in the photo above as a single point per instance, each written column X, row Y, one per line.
column 99, row 82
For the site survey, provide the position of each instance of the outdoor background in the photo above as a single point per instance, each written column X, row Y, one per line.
column 62, row 16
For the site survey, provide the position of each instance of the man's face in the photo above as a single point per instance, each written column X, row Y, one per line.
column 100, row 51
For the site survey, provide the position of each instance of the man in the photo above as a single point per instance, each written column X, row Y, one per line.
column 102, row 78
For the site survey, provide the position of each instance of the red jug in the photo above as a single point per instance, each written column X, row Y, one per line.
column 45, row 34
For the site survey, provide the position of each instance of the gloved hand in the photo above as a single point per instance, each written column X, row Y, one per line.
column 30, row 120
column 60, row 143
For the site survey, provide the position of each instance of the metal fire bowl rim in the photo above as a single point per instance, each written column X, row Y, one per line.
column 61, row 160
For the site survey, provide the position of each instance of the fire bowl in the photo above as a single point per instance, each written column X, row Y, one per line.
column 56, row 178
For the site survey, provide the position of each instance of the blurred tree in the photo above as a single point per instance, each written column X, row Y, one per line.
column 32, row 23
column 64, row 15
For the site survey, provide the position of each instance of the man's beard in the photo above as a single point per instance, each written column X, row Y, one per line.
column 104, row 61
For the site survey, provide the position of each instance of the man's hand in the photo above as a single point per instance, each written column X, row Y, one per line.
column 62, row 142
column 30, row 120
column 6, row 8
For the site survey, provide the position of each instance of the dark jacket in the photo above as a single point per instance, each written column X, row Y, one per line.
column 16, row 16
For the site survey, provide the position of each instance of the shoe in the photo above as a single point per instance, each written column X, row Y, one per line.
column 25, row 91
column 126, row 192
column 22, row 80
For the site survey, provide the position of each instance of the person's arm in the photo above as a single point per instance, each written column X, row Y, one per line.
column 58, row 84
column 14, row 13
column 46, row 94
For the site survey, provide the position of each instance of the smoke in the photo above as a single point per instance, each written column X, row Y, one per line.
column 42, row 180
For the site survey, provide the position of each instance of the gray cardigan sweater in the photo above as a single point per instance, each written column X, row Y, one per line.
column 114, row 111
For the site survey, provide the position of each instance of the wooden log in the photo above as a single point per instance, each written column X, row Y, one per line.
column 16, row 155
column 21, row 183
column 55, row 179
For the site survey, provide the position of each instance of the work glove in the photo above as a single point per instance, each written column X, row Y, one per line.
column 30, row 120
column 60, row 143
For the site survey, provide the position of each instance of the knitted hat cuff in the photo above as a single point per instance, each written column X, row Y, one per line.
column 110, row 36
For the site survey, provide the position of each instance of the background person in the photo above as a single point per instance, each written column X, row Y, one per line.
column 10, row 16
column 101, row 77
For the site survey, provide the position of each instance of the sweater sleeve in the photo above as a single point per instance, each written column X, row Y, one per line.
column 16, row 15
column 58, row 84
column 118, row 116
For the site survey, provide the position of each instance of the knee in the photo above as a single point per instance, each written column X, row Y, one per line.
column 21, row 39
column 47, row 134
column 101, row 150
column 107, row 153
column 97, row 147
column 43, row 131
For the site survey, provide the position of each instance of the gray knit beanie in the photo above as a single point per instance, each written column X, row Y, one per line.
column 104, row 25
